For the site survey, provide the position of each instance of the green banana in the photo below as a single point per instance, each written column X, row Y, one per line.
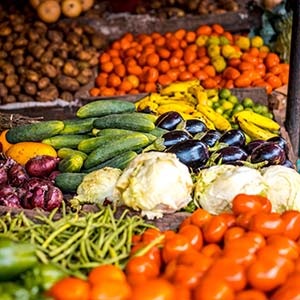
column 255, row 132
column 257, row 119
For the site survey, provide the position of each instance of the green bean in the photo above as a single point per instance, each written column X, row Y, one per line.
column 69, row 250
column 3, row 225
column 54, row 234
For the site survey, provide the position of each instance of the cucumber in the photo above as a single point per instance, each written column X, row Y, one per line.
column 65, row 141
column 69, row 182
column 95, row 131
column 158, row 132
column 71, row 164
column 119, row 162
column 78, row 126
column 131, row 121
column 34, row 132
column 116, row 147
column 105, row 107
column 65, row 152
column 151, row 117
column 91, row 144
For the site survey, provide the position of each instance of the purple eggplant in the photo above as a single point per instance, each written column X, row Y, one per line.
column 270, row 152
column 173, row 137
column 169, row 120
column 234, row 137
column 194, row 126
column 252, row 145
column 211, row 137
column 193, row 153
column 231, row 155
column 287, row 163
column 281, row 142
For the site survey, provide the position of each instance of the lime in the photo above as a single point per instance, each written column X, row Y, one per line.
column 247, row 102
column 235, row 126
column 257, row 108
column 221, row 101
column 216, row 105
column 268, row 115
column 219, row 110
column 225, row 93
column 264, row 109
column 227, row 105
column 238, row 108
column 248, row 109
column 233, row 99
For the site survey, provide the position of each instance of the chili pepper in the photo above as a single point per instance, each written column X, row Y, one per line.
column 15, row 258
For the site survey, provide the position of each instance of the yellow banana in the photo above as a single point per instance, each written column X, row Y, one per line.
column 212, row 92
column 255, row 132
column 179, row 87
column 204, row 119
column 175, row 107
column 146, row 104
column 257, row 119
column 219, row 121
column 199, row 94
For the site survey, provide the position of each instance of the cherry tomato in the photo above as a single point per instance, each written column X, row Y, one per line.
column 211, row 288
column 233, row 273
column 257, row 238
column 214, row 229
column 292, row 224
column 284, row 246
column 267, row 223
column 170, row 269
column 187, row 276
column 228, row 218
column 106, row 272
column 233, row 233
column 153, row 254
column 142, row 265
column 174, row 246
column 200, row 217
column 169, row 234
column 286, row 293
column 151, row 234
column 212, row 250
column 136, row 238
column 266, row 275
column 243, row 220
column 183, row 292
column 251, row 294
column 185, row 222
column 194, row 235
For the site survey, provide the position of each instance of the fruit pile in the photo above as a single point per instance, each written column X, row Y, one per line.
column 215, row 57
column 251, row 253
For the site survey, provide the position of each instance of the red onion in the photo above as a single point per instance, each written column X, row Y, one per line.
column 41, row 166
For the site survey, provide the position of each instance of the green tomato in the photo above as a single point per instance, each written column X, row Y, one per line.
column 219, row 110
column 227, row 105
column 247, row 102
column 224, row 93
column 233, row 99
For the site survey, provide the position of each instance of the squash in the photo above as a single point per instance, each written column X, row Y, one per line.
column 3, row 141
column 23, row 151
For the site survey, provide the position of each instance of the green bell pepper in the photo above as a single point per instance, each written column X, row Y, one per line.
column 15, row 258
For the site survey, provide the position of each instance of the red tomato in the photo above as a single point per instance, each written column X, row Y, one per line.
column 228, row 218
column 153, row 254
column 187, row 276
column 194, row 235
column 200, row 217
column 267, row 223
column 214, row 229
column 151, row 234
column 243, row 220
column 257, row 238
column 292, row 224
column 212, row 250
column 284, row 246
column 233, row 233
column 251, row 294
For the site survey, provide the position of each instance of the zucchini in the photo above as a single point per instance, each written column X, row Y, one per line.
column 158, row 132
column 65, row 141
column 78, row 126
column 131, row 121
column 65, row 152
column 69, row 182
column 91, row 144
column 116, row 147
column 71, row 164
column 150, row 117
column 105, row 107
column 34, row 132
column 119, row 162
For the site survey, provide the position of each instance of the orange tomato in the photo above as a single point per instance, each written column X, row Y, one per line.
column 251, row 294
column 174, row 62
column 172, row 43
column 200, row 217
column 271, row 60
column 159, row 42
column 242, row 81
column 274, row 81
column 201, row 51
column 134, row 70
column 209, row 83
column 291, row 220
column 211, row 250
column 150, row 87
column 201, row 75
column 142, row 265
column 163, row 66
column 234, row 62
column 113, row 53
column 229, row 84
column 164, row 80
column 106, row 272
column 180, row 33
column 229, row 219
column 120, row 70
column 210, row 71
column 152, row 59
column 194, row 235
column 101, row 79
column 178, row 53
column 186, row 276
column 190, row 36
column 134, row 80
column 214, row 229
column 185, row 76
column 204, row 30
column 243, row 203
column 125, row 85
column 93, row 92
column 284, row 246
column 231, row 73
column 173, row 74
column 217, row 29
column 189, row 56
column 164, row 53
column 113, row 80
column 245, row 66
column 107, row 67
column 104, row 57
column 233, row 233
column 108, row 91
column 193, row 68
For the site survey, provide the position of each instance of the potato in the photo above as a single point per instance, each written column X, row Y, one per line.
column 36, row 66
column 46, row 57
column 67, row 96
column 30, row 88
column 2, row 76
column 8, row 46
column 57, row 62
column 84, row 55
column 11, row 80
column 32, row 76
column 3, row 90
column 48, row 94
column 70, row 69
column 9, row 99
column 55, row 36
column 18, row 60
column 5, row 31
column 19, row 27
column 33, row 36
column 16, row 90
column 3, row 54
column 43, row 83
column 28, row 60
column 17, row 52
column 8, row 69
column 67, row 83
column 25, row 98
column 49, row 70
column 21, row 42
column 21, row 70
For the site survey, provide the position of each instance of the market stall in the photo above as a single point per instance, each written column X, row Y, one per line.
column 149, row 153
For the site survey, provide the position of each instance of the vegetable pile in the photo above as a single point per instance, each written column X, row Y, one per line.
column 217, row 58
column 249, row 254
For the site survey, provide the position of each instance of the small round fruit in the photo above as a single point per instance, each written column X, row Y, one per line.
column 49, row 11
column 86, row 4
column 247, row 102
column 224, row 93
column 71, row 8
column 35, row 3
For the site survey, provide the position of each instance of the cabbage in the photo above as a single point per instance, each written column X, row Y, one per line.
column 216, row 186
column 283, row 188
column 155, row 183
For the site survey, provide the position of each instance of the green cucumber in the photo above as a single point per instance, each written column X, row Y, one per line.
column 65, row 152
column 105, row 107
column 78, row 126
column 132, row 121
column 34, row 132
column 71, row 164
column 116, row 147
column 65, row 141
column 91, row 144
column 95, row 131
column 158, row 132
column 151, row 117
column 119, row 162
column 69, row 182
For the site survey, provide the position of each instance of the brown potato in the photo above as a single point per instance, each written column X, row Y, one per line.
column 16, row 90
column 67, row 96
column 32, row 76
column 33, row 36
column 25, row 98
column 57, row 62
column 8, row 46
column 49, row 70
column 3, row 54
column 55, row 36
column 46, row 57
column 28, row 60
column 43, row 83
column 8, row 69
column 30, row 88
column 21, row 70
column 19, row 27
column 2, row 76
column 9, row 99
column 36, row 66
column 17, row 52
column 3, row 90
column 18, row 60
column 48, row 94
column 68, row 84
column 21, row 42
column 70, row 69
column 11, row 80
column 5, row 31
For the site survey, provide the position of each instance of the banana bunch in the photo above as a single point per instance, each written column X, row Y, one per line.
column 256, row 126
column 188, row 98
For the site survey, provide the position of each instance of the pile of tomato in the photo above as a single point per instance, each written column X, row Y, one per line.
column 250, row 254
column 137, row 64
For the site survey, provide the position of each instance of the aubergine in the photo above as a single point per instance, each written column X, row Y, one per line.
column 193, row 153
column 252, row 145
column 173, row 137
column 281, row 142
column 233, row 137
column 169, row 120
column 194, row 126
column 270, row 152
column 211, row 137
column 232, row 155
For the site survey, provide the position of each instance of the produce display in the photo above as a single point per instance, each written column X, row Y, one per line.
column 42, row 63
column 215, row 57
